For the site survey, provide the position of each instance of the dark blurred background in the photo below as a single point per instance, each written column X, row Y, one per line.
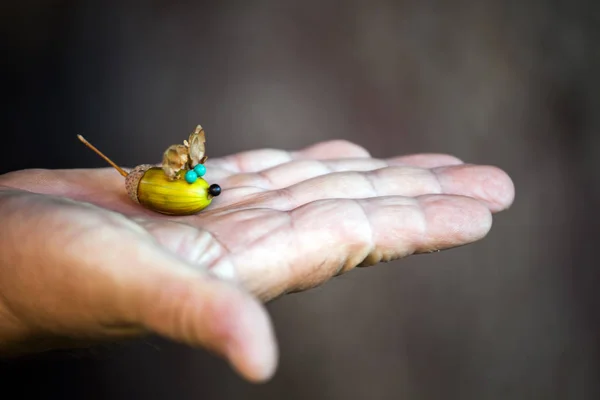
column 510, row 83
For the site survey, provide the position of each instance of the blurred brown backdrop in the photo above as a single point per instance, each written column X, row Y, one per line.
column 513, row 84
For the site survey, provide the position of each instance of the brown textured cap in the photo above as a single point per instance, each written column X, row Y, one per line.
column 132, row 180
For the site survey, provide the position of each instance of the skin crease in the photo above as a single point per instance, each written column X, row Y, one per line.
column 81, row 262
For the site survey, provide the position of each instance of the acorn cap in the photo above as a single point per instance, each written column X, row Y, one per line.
column 132, row 180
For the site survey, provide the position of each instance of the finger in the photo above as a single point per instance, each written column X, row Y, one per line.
column 293, row 172
column 328, row 237
column 333, row 149
column 488, row 184
column 427, row 160
column 258, row 160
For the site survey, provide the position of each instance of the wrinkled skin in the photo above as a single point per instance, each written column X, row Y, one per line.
column 81, row 262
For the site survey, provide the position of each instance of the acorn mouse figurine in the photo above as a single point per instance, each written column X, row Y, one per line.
column 177, row 186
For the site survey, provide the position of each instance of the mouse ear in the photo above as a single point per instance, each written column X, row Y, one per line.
column 174, row 159
column 196, row 146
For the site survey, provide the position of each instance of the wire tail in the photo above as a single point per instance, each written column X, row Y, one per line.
column 108, row 160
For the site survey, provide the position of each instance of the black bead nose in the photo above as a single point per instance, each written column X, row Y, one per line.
column 214, row 190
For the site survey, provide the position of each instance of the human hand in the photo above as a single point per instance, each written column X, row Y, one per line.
column 284, row 222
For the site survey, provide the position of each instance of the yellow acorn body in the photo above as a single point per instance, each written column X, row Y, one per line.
column 151, row 188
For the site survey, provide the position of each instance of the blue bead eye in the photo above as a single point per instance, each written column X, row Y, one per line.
column 200, row 169
column 191, row 176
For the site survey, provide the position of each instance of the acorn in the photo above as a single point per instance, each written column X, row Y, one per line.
column 176, row 188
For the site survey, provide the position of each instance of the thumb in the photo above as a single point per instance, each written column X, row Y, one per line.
column 200, row 310
column 73, row 271
column 177, row 301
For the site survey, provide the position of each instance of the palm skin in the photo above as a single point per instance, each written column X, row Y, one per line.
column 285, row 222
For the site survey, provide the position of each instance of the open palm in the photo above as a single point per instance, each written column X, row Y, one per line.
column 285, row 222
